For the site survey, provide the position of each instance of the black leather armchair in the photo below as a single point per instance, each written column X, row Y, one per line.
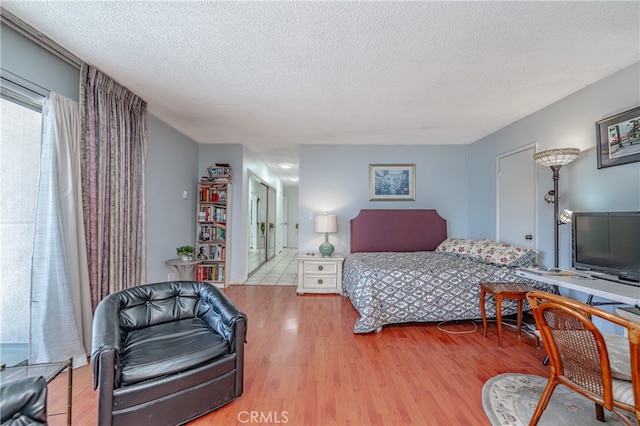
column 166, row 353
column 23, row 402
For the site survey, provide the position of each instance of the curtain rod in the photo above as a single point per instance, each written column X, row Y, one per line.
column 36, row 36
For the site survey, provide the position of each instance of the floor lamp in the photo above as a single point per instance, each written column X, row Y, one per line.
column 556, row 158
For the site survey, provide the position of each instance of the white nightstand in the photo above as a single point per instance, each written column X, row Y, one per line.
column 317, row 274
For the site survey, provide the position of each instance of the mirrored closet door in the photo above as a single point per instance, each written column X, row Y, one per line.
column 262, row 223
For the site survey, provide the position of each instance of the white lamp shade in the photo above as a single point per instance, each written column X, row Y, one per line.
column 556, row 157
column 326, row 223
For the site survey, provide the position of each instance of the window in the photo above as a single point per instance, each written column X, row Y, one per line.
column 20, row 128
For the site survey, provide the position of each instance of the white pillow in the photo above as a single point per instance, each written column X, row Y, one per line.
column 460, row 246
column 504, row 254
column 488, row 251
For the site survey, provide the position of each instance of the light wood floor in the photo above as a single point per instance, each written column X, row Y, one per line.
column 305, row 366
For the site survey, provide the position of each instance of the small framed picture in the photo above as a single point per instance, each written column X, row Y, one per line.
column 392, row 182
column 618, row 139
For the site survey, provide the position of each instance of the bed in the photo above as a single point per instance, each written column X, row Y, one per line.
column 403, row 268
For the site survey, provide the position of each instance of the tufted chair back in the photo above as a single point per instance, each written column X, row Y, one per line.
column 149, row 305
column 152, row 304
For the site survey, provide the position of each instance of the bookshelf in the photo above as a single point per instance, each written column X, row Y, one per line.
column 212, row 229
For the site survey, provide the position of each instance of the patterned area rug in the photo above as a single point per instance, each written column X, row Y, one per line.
column 511, row 399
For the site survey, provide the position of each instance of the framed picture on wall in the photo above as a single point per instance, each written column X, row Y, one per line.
column 618, row 139
column 392, row 182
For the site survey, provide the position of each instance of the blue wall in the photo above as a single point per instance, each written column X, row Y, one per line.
column 37, row 65
column 460, row 181
column 169, row 172
column 336, row 179
column 569, row 122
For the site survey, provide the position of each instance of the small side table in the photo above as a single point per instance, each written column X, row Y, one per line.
column 183, row 267
column 48, row 371
column 517, row 291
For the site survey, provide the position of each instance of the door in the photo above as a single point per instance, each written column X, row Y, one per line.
column 285, row 220
column 271, row 219
column 516, row 189
column 263, row 222
column 253, row 257
column 262, row 226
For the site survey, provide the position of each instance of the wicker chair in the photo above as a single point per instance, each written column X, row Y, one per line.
column 585, row 360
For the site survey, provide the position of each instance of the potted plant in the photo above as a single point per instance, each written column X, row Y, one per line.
column 186, row 253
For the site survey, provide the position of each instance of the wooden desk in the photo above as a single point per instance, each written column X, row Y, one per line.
column 589, row 283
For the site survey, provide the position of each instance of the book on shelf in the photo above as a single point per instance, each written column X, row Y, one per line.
column 212, row 272
column 218, row 252
column 208, row 179
column 206, row 232
column 212, row 214
column 212, row 194
column 212, row 232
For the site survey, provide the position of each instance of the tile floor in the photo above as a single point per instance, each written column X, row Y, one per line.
column 281, row 270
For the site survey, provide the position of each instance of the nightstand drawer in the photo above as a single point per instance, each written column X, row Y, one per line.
column 320, row 267
column 320, row 281
column 319, row 275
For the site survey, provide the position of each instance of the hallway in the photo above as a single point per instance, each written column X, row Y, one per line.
column 282, row 269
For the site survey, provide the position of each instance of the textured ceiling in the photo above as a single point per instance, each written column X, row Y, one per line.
column 277, row 75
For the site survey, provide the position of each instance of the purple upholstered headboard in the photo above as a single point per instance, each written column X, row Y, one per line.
column 397, row 230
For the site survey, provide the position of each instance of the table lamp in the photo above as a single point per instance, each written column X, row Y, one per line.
column 326, row 223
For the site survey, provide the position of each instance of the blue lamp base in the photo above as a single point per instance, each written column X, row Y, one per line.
column 326, row 248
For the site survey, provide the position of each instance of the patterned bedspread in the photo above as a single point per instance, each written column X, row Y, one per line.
column 391, row 288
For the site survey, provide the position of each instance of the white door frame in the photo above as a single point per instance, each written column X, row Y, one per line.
column 531, row 145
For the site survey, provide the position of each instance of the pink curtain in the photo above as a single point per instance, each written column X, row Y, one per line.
column 114, row 150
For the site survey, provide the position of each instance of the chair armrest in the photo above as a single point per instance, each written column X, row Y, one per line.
column 221, row 314
column 106, row 343
column 633, row 331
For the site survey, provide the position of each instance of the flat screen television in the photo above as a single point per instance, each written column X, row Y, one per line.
column 607, row 242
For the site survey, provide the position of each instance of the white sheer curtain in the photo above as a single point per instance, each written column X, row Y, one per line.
column 60, row 298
